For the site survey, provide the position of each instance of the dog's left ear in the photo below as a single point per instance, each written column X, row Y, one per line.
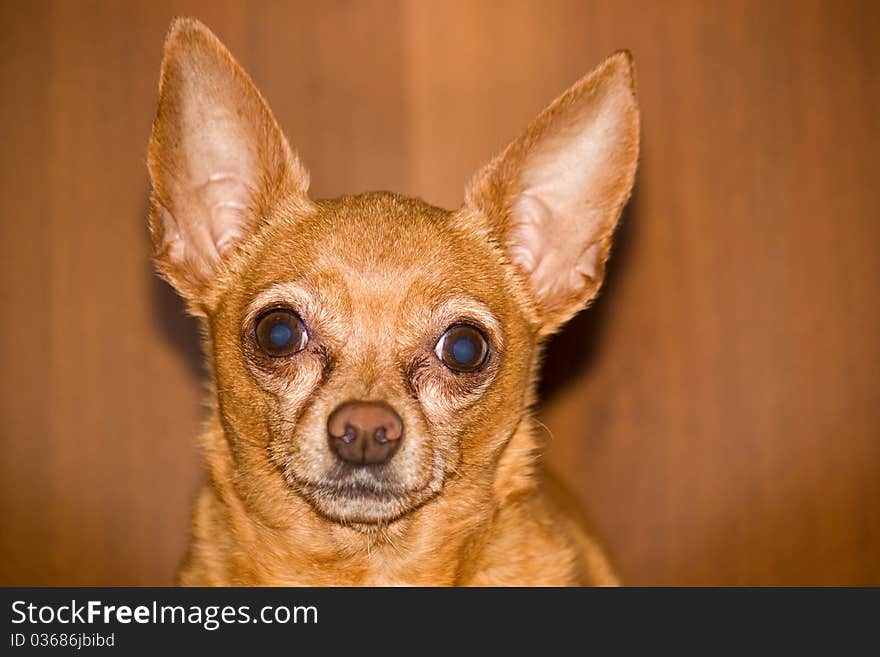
column 555, row 194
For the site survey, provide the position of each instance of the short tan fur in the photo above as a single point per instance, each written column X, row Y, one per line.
column 372, row 286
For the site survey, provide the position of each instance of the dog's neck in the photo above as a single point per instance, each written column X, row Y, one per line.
column 282, row 540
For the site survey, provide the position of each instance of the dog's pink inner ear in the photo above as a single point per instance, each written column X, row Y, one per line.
column 556, row 193
column 209, row 207
column 217, row 157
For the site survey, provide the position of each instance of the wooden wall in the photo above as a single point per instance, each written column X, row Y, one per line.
column 718, row 410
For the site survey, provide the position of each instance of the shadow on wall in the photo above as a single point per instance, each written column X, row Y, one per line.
column 575, row 348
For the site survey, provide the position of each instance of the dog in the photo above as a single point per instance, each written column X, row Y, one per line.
column 373, row 358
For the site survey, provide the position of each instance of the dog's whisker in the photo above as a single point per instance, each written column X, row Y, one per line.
column 387, row 537
column 545, row 428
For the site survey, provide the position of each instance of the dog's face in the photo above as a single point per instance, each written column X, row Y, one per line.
column 367, row 349
column 379, row 299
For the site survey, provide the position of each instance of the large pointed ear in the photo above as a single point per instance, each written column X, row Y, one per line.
column 217, row 159
column 554, row 196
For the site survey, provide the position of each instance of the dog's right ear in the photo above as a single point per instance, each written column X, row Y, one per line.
column 218, row 160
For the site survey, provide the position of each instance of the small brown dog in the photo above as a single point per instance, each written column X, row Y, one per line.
column 374, row 358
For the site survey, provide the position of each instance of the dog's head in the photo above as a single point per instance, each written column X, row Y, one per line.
column 368, row 348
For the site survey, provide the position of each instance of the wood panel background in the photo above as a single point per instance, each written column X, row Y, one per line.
column 718, row 410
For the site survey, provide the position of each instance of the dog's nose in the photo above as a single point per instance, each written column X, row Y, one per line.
column 365, row 432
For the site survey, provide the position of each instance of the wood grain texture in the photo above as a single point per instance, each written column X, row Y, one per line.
column 717, row 410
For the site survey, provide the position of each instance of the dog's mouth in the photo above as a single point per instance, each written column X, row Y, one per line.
column 357, row 493
column 362, row 482
column 363, row 496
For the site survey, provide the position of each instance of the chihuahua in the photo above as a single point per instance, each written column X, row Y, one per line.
column 374, row 358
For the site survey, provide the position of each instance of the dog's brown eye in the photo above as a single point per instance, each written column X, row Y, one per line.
column 280, row 332
column 462, row 348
